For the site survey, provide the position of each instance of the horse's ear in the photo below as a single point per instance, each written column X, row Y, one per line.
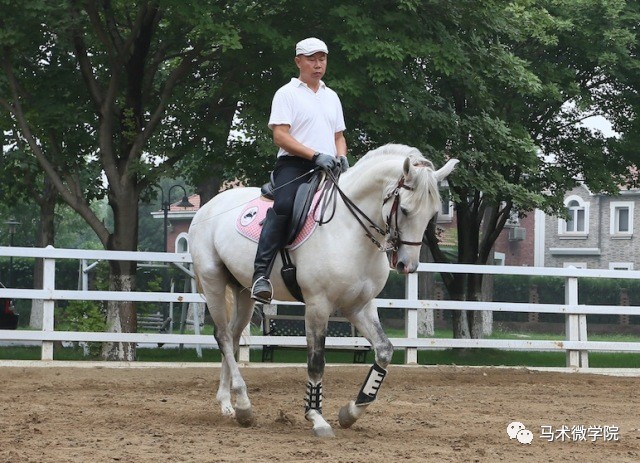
column 408, row 170
column 445, row 170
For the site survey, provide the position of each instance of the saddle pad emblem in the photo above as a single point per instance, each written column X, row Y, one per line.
column 249, row 222
column 248, row 216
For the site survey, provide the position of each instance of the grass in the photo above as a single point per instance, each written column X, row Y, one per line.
column 461, row 357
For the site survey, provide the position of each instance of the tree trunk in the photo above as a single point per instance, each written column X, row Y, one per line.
column 45, row 237
column 426, row 320
column 461, row 325
column 121, row 315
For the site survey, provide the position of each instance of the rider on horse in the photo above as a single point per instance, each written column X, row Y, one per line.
column 307, row 124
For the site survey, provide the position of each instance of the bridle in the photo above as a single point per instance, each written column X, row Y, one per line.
column 394, row 232
column 391, row 231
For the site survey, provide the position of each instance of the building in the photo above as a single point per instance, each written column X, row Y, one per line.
column 597, row 233
column 178, row 221
column 517, row 245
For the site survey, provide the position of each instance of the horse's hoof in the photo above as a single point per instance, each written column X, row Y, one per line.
column 244, row 417
column 228, row 412
column 324, row 431
column 345, row 417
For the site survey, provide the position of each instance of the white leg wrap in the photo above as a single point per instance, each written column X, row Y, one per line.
column 371, row 386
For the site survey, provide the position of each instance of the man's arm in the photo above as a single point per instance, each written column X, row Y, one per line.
column 341, row 144
column 283, row 139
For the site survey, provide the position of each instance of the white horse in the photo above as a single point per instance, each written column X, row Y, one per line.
column 339, row 267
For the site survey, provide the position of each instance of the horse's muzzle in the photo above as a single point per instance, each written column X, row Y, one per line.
column 401, row 265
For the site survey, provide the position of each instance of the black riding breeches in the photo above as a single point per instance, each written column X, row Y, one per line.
column 289, row 174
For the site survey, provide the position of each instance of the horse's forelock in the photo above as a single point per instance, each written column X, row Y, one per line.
column 425, row 188
column 424, row 182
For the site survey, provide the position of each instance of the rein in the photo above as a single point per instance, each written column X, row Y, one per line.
column 392, row 233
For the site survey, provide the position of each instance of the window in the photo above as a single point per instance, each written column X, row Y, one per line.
column 576, row 217
column 577, row 222
column 620, row 265
column 182, row 244
column 446, row 208
column 621, row 218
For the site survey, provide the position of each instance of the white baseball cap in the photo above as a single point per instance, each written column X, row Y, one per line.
column 310, row 46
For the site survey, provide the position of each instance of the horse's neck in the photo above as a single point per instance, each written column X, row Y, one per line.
column 364, row 186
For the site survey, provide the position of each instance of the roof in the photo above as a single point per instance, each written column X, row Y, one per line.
column 193, row 199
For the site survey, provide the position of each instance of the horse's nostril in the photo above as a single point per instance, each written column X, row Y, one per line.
column 400, row 267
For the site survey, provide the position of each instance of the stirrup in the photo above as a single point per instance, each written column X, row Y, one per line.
column 262, row 294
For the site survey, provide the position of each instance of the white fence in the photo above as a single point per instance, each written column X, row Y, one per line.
column 575, row 343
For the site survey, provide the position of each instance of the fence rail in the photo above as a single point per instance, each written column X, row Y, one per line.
column 576, row 345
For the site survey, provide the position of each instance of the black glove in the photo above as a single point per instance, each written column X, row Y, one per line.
column 344, row 163
column 325, row 161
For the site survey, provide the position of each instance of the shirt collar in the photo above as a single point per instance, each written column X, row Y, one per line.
column 299, row 83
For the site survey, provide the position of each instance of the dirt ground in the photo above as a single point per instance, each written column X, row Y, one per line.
column 436, row 414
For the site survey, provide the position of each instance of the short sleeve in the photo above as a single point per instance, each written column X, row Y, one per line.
column 281, row 109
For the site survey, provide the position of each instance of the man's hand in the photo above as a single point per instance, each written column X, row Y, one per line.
column 325, row 161
column 344, row 163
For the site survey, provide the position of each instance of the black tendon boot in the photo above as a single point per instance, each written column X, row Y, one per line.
column 271, row 240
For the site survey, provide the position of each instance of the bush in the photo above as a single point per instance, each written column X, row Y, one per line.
column 84, row 316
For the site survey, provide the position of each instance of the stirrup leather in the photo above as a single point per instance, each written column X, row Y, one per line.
column 256, row 296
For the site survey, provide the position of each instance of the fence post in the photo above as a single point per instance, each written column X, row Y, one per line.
column 411, row 320
column 245, row 350
column 48, row 305
column 575, row 326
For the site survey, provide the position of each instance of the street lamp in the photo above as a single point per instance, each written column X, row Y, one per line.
column 167, row 204
column 12, row 223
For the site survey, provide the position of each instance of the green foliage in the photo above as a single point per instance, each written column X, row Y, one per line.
column 551, row 290
column 83, row 316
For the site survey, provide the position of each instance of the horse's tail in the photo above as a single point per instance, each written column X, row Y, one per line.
column 230, row 301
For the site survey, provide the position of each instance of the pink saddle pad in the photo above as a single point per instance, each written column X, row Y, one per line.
column 249, row 222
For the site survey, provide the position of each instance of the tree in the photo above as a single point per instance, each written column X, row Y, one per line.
column 154, row 88
column 554, row 65
column 107, row 88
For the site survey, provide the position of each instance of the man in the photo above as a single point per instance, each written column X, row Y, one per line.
column 307, row 124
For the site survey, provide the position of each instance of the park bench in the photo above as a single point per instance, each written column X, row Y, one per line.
column 293, row 325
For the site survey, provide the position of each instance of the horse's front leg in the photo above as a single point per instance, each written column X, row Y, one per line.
column 368, row 324
column 316, row 330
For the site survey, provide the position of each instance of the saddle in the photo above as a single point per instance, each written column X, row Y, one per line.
column 301, row 207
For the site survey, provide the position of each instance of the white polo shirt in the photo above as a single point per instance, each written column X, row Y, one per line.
column 314, row 118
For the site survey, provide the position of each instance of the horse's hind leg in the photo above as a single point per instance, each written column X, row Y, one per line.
column 241, row 318
column 368, row 324
column 225, row 322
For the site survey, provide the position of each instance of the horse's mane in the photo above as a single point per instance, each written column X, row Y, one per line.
column 423, row 175
column 394, row 149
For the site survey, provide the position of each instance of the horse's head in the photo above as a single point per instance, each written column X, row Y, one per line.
column 409, row 204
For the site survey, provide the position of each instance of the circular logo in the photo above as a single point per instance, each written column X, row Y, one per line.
column 248, row 216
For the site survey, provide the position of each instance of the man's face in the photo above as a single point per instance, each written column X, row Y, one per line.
column 312, row 68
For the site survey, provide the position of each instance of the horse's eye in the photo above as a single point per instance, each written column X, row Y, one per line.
column 404, row 211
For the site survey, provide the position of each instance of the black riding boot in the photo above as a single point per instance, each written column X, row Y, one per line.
column 271, row 240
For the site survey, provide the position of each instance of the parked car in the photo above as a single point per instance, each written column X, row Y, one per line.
column 8, row 317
